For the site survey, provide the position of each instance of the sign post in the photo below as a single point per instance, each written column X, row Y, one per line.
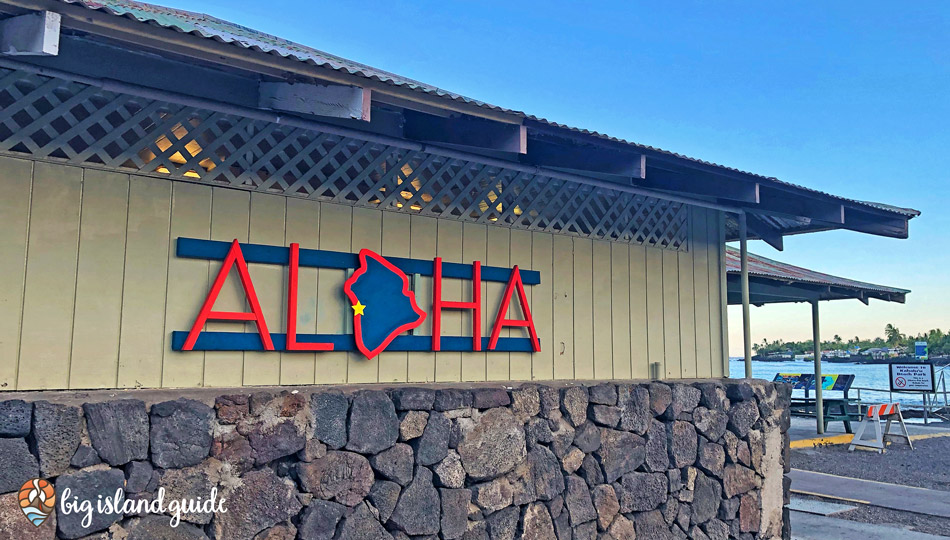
column 920, row 351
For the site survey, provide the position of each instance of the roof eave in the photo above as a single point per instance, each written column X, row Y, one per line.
column 871, row 218
column 152, row 36
column 773, row 290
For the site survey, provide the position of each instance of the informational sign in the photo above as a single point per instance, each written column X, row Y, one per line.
column 381, row 298
column 806, row 381
column 920, row 351
column 912, row 377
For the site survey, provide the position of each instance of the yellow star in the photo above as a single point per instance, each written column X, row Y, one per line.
column 358, row 308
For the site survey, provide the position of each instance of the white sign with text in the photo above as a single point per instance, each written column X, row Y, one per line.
column 912, row 377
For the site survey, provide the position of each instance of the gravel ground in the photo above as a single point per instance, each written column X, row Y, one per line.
column 927, row 466
column 893, row 518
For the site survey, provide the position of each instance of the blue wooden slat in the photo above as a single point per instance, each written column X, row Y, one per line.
column 241, row 341
column 193, row 248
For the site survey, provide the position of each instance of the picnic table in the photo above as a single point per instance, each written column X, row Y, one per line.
column 834, row 409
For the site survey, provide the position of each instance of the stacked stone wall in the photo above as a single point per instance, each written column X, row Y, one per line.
column 610, row 461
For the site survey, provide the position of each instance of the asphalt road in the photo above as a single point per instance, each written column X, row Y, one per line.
column 898, row 497
column 812, row 527
column 928, row 466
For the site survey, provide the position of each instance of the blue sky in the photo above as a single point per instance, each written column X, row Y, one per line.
column 852, row 98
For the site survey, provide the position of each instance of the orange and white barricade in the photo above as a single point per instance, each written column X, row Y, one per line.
column 876, row 413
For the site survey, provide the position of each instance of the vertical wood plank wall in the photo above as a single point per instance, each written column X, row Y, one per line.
column 92, row 289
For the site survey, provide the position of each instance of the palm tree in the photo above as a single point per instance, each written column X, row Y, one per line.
column 892, row 334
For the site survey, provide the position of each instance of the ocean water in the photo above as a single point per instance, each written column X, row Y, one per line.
column 865, row 375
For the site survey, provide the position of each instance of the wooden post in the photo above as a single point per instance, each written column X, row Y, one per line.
column 744, row 280
column 816, row 336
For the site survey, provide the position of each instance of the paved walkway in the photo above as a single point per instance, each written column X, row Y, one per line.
column 906, row 498
column 803, row 432
column 819, row 507
column 812, row 527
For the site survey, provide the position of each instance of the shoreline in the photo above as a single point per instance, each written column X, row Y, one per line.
column 938, row 361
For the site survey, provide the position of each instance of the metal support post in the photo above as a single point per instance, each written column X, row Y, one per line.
column 816, row 336
column 744, row 280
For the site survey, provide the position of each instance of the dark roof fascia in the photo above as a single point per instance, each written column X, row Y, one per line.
column 785, row 292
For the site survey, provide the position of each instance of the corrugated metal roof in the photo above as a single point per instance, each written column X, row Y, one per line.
column 210, row 27
column 764, row 267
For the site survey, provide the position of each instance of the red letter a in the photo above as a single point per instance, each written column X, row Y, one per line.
column 235, row 256
column 514, row 282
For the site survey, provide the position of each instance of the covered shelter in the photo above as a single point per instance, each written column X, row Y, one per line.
column 164, row 126
column 774, row 282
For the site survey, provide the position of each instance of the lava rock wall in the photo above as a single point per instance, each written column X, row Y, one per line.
column 703, row 459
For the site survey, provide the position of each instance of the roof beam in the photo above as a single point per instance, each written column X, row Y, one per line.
column 758, row 301
column 773, row 201
column 774, row 288
column 332, row 100
column 894, row 227
column 592, row 159
column 653, row 154
column 765, row 231
column 32, row 34
column 466, row 131
column 704, row 184
column 769, row 291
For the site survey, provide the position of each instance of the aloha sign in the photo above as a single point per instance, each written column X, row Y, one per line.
column 381, row 298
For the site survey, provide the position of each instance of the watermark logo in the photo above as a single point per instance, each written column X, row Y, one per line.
column 118, row 504
column 37, row 500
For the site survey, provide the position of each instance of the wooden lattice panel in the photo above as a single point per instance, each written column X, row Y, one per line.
column 60, row 119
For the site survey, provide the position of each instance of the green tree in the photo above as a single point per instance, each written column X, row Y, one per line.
column 937, row 340
column 892, row 334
